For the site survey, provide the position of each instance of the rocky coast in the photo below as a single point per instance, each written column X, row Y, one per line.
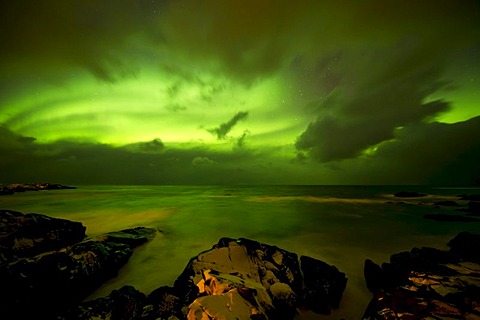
column 49, row 266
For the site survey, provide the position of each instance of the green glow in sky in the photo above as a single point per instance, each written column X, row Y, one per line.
column 321, row 90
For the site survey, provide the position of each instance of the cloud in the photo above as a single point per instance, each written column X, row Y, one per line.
column 241, row 140
column 154, row 146
column 433, row 153
column 385, row 90
column 222, row 131
column 202, row 161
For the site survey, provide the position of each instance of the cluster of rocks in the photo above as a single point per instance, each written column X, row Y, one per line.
column 47, row 264
column 49, row 267
column 467, row 207
column 427, row 283
column 22, row 187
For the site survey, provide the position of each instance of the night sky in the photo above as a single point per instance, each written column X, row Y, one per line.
column 240, row 92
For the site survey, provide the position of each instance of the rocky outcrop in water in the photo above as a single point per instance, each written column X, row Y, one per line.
column 236, row 279
column 427, row 283
column 46, row 264
column 22, row 187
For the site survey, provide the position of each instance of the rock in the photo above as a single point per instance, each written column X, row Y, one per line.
column 409, row 194
column 373, row 274
column 429, row 283
column 26, row 235
column 123, row 304
column 46, row 281
column 255, row 280
column 236, row 279
column 324, row 285
column 449, row 217
column 471, row 197
column 466, row 246
column 22, row 187
column 131, row 237
column 447, row 203
column 164, row 303
column 47, row 264
column 5, row 191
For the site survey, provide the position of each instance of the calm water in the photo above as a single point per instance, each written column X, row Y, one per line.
column 340, row 225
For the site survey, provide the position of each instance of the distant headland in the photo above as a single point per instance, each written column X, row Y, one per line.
column 22, row 187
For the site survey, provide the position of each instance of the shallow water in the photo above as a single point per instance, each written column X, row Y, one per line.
column 341, row 225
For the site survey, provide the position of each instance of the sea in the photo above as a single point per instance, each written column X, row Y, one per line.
column 341, row 225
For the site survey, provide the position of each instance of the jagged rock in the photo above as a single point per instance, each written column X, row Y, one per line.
column 449, row 217
column 324, row 285
column 466, row 246
column 373, row 274
column 429, row 283
column 164, row 303
column 262, row 281
column 409, row 194
column 26, row 235
column 53, row 271
column 123, row 304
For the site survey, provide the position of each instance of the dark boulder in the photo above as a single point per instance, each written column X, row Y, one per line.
column 409, row 194
column 247, row 279
column 374, row 276
column 58, row 278
column 429, row 283
column 164, row 303
column 466, row 246
column 123, row 304
column 324, row 285
column 26, row 235
column 47, row 264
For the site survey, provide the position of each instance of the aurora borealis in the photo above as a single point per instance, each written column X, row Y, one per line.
column 240, row 92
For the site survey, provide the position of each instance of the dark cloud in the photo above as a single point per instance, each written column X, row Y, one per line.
column 241, row 140
column 385, row 90
column 154, row 146
column 434, row 153
column 93, row 35
column 222, row 131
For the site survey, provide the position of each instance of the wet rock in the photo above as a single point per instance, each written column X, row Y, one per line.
column 26, row 235
column 164, row 303
column 123, row 304
column 47, row 264
column 236, row 279
column 58, row 278
column 409, row 194
column 449, row 217
column 259, row 280
column 428, row 283
column 324, row 285
column 466, row 246
column 373, row 274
